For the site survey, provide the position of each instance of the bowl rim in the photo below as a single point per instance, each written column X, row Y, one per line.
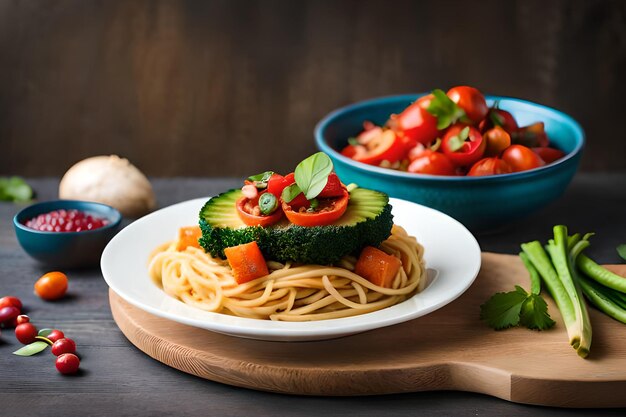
column 115, row 218
column 322, row 125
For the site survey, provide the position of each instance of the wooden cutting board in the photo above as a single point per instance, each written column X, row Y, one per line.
column 450, row 349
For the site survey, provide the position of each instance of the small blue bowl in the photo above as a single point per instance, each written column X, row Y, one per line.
column 480, row 203
column 66, row 249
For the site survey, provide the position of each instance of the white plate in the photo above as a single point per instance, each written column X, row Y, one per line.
column 450, row 250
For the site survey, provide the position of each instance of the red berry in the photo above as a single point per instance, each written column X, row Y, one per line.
column 21, row 319
column 26, row 333
column 65, row 221
column 11, row 301
column 67, row 363
column 55, row 335
column 62, row 346
column 8, row 314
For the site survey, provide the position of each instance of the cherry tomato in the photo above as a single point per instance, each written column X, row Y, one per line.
column 21, row 319
column 55, row 335
column 354, row 151
column 471, row 101
column 531, row 136
column 498, row 117
column 26, row 333
column 385, row 147
column 8, row 315
column 11, row 301
column 463, row 145
column 549, row 155
column 521, row 158
column 51, row 286
column 67, row 363
column 328, row 211
column 62, row 346
column 333, row 187
column 434, row 163
column 489, row 166
column 276, row 184
column 497, row 141
column 251, row 219
column 416, row 124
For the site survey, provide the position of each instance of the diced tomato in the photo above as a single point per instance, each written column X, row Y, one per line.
column 377, row 266
column 333, row 188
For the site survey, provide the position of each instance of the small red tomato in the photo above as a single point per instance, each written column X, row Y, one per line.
column 62, row 346
column 55, row 335
column 26, row 333
column 531, row 136
column 416, row 124
column 471, row 101
column 51, row 286
column 11, row 301
column 464, row 145
column 521, row 158
column 498, row 117
column 497, row 141
column 333, row 187
column 67, row 363
column 434, row 163
column 8, row 315
column 489, row 166
column 21, row 319
column 549, row 155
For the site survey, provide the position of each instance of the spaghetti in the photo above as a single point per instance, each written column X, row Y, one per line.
column 290, row 292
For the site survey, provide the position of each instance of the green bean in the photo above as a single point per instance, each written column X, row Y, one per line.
column 596, row 294
column 600, row 274
column 535, row 280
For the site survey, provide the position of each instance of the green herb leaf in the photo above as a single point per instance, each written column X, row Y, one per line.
column 32, row 349
column 353, row 141
column 261, row 180
column 312, row 174
column 314, row 204
column 502, row 310
column 496, row 118
column 290, row 192
column 444, row 109
column 621, row 250
column 534, row 313
column 15, row 189
column 45, row 332
column 456, row 142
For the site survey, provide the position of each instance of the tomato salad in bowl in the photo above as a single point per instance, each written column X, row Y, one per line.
column 454, row 133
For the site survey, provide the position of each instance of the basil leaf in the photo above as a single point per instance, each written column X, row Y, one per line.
column 621, row 250
column 32, row 349
column 290, row 192
column 455, row 143
column 261, row 180
column 312, row 174
column 444, row 109
column 44, row 332
column 15, row 189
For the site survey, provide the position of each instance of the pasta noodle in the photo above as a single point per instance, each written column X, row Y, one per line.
column 290, row 292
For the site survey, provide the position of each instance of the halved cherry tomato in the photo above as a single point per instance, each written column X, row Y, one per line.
column 471, row 150
column 521, row 158
column 498, row 117
column 471, row 101
column 385, row 147
column 531, row 136
column 489, row 166
column 497, row 141
column 415, row 124
column 333, row 187
column 354, row 151
column 251, row 219
column 434, row 163
column 328, row 211
column 548, row 155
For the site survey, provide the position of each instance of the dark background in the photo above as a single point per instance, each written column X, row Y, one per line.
column 222, row 88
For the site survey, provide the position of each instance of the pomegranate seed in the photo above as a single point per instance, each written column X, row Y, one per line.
column 66, row 221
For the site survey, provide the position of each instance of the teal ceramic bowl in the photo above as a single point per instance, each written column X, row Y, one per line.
column 480, row 203
column 66, row 249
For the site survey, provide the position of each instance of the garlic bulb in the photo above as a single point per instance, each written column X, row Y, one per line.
column 109, row 180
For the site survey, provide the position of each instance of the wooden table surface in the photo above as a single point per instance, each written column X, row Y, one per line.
column 119, row 380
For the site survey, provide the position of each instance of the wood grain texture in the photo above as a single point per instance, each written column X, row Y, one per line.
column 206, row 88
column 449, row 349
